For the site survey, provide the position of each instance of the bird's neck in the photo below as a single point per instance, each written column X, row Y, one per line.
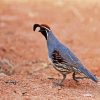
column 52, row 42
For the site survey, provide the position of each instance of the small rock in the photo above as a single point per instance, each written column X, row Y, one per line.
column 44, row 64
column 2, row 74
column 87, row 95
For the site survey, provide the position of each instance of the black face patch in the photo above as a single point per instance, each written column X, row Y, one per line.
column 44, row 32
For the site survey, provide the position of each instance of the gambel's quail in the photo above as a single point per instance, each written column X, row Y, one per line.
column 62, row 57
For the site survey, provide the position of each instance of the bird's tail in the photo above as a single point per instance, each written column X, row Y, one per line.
column 87, row 73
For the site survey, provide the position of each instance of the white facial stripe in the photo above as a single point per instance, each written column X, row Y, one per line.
column 38, row 29
column 47, row 33
column 46, row 28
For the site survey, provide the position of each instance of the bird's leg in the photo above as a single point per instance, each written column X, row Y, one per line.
column 61, row 83
column 64, row 77
column 75, row 78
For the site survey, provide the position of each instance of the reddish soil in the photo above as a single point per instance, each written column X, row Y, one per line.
column 24, row 65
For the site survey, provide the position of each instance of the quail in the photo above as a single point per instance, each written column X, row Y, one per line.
column 62, row 58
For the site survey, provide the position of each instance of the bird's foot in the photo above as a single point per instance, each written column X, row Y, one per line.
column 76, row 78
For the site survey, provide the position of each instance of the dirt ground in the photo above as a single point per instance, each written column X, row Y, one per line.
column 25, row 70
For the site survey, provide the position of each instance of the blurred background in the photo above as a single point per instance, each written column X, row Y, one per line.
column 75, row 23
column 24, row 55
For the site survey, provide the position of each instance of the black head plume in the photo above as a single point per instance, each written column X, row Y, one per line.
column 35, row 26
column 43, row 28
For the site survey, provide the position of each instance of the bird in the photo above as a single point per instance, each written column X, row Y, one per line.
column 62, row 58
